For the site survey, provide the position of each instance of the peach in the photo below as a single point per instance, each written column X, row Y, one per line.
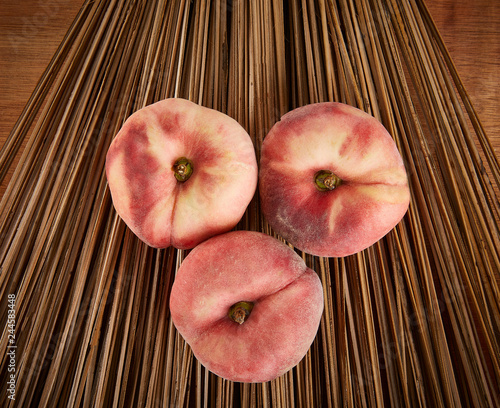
column 179, row 173
column 247, row 304
column 331, row 181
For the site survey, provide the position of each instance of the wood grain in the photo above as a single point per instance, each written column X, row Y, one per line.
column 471, row 32
column 30, row 32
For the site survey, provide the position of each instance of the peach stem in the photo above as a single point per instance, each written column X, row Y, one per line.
column 326, row 181
column 182, row 168
column 240, row 311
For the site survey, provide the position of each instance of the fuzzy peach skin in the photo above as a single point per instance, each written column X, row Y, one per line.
column 253, row 267
column 158, row 208
column 373, row 195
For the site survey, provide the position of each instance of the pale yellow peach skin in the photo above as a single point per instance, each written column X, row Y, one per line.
column 279, row 303
column 160, row 145
column 332, row 181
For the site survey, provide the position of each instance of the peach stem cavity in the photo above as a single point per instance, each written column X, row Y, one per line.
column 325, row 180
column 182, row 168
column 240, row 311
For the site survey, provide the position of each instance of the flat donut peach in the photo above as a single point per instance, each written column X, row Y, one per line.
column 179, row 173
column 247, row 304
column 331, row 181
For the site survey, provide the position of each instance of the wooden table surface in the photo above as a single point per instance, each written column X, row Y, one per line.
column 31, row 30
